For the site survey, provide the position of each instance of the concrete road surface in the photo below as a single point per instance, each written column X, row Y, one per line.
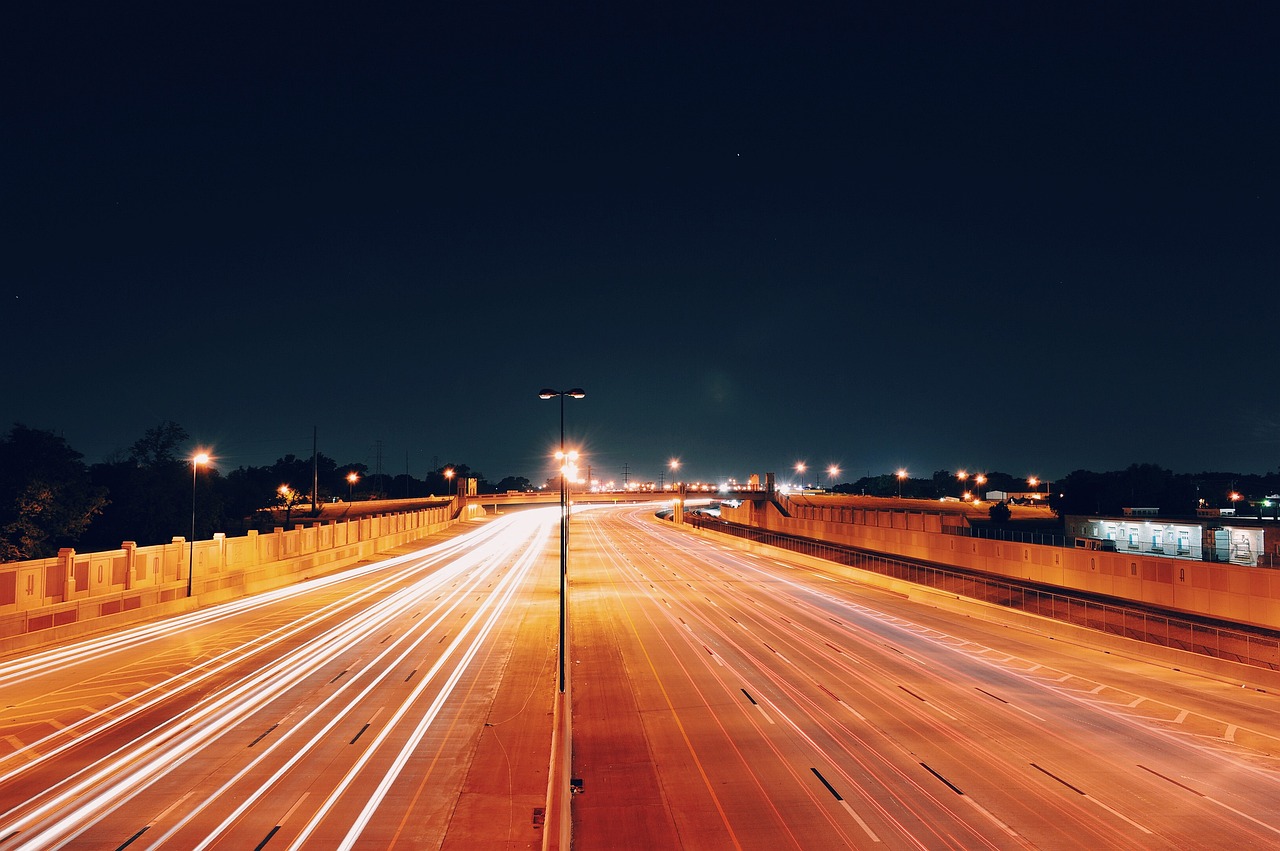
column 724, row 700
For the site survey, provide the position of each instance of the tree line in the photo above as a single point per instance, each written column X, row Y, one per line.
column 1087, row 492
column 50, row 498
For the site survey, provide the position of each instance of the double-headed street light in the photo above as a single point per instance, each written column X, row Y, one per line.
column 200, row 459
column 575, row 393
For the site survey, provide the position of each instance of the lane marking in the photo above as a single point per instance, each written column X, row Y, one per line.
column 1258, row 822
column 845, row 804
column 1087, row 796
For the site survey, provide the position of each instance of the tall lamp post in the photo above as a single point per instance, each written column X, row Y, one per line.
column 832, row 472
column 352, row 478
column 902, row 474
column 198, row 460
column 575, row 393
column 675, row 466
column 1034, row 482
column 800, row 467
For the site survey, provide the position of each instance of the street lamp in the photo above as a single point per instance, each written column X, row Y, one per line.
column 1034, row 482
column 449, row 473
column 902, row 474
column 198, row 460
column 1235, row 498
column 832, row 472
column 575, row 393
column 675, row 465
column 978, row 481
column 963, row 476
column 800, row 468
column 352, row 478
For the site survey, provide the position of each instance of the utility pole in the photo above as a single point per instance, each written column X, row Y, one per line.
column 378, row 470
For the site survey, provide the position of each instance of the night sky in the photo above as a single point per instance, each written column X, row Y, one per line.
column 878, row 235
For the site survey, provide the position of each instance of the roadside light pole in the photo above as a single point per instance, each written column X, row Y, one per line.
column 576, row 393
column 198, row 460
column 902, row 474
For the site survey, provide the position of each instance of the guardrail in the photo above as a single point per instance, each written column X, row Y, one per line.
column 1258, row 648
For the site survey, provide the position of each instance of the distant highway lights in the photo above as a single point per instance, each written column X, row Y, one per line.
column 200, row 459
column 575, row 393
column 352, row 478
column 902, row 474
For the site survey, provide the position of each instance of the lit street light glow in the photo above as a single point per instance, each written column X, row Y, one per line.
column 575, row 393
column 200, row 459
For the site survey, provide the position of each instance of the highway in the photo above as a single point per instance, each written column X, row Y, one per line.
column 338, row 712
column 729, row 700
column 721, row 699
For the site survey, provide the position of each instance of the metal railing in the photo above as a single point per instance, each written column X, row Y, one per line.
column 1044, row 539
column 1258, row 648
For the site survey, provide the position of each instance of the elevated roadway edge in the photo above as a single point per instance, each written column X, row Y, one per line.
column 1247, row 676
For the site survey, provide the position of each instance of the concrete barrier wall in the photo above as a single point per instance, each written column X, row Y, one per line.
column 55, row 598
column 1230, row 592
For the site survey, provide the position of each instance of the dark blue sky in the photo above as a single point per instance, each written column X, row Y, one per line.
column 878, row 235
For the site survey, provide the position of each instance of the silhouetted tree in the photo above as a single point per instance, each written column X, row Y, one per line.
column 159, row 445
column 513, row 483
column 47, row 500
